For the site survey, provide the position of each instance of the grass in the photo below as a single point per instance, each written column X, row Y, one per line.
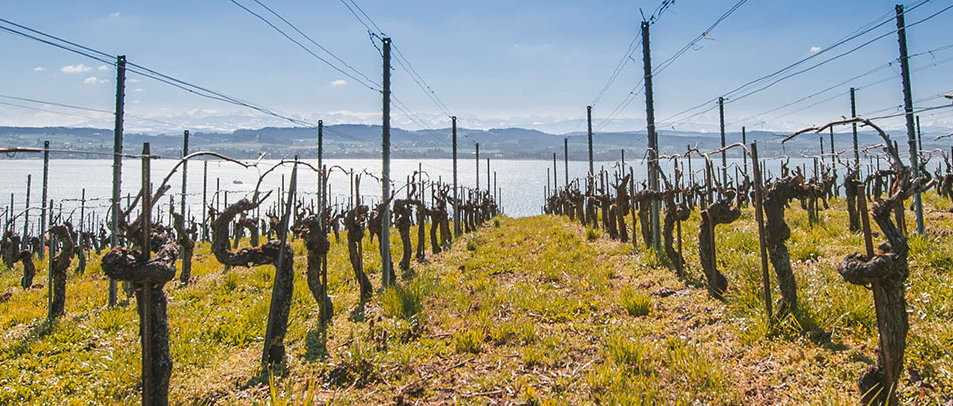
column 533, row 311
column 636, row 303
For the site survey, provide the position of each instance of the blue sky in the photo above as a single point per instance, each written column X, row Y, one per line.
column 533, row 64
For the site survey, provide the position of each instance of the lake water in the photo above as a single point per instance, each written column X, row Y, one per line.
column 522, row 182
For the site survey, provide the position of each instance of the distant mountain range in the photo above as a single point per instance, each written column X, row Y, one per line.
column 364, row 141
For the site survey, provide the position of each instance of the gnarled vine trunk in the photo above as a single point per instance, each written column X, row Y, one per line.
column 65, row 235
column 777, row 196
column 149, row 276
column 266, row 254
column 316, row 241
column 720, row 212
column 885, row 273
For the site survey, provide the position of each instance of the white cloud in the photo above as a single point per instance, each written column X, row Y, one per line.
column 92, row 80
column 103, row 67
column 38, row 69
column 815, row 49
column 133, row 80
column 339, row 82
column 138, row 89
column 116, row 14
column 75, row 68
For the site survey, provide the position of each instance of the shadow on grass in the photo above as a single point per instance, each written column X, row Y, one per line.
column 357, row 315
column 37, row 331
column 316, row 343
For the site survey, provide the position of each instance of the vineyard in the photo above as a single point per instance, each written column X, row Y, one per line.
column 706, row 275
column 522, row 309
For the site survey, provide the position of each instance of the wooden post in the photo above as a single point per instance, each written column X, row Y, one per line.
column 283, row 238
column 146, row 305
column 759, row 217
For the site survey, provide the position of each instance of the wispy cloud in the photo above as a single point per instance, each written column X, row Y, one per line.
column 339, row 82
column 138, row 89
column 38, row 69
column 75, row 68
column 133, row 80
column 116, row 14
column 815, row 49
column 103, row 67
column 92, row 80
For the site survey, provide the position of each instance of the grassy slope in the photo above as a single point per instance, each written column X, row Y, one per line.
column 526, row 310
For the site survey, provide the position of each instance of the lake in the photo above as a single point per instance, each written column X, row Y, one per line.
column 522, row 182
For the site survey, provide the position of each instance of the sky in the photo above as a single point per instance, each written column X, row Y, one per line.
column 493, row 63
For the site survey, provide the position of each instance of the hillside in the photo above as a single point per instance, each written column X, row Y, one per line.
column 364, row 141
column 525, row 311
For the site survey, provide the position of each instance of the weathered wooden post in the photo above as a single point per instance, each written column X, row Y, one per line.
column 274, row 350
column 149, row 275
column 759, row 217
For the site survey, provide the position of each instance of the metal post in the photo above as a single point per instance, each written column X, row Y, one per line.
column 566, row 158
column 652, row 135
column 26, row 214
column 744, row 156
column 117, row 162
column 386, row 269
column 204, row 197
column 834, row 163
column 321, row 182
column 919, row 135
column 46, row 179
column 589, row 122
column 185, row 166
column 724, row 154
column 478, row 167
column 49, row 269
column 853, row 113
column 456, row 210
column 908, row 109
column 82, row 224
column 488, row 188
